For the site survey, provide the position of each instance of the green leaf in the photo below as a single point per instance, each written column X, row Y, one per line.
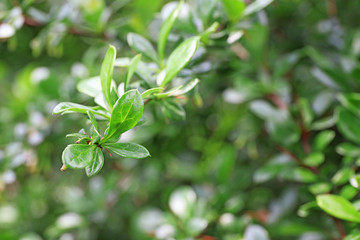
column 304, row 210
column 348, row 125
column 314, row 159
column 306, row 111
column 128, row 150
column 95, row 164
column 185, row 89
column 323, row 139
column 320, row 188
column 77, row 135
column 94, row 123
column 106, row 73
column 142, row 45
column 234, row 9
column 342, row 176
column 350, row 101
column 338, row 207
column 179, row 58
column 348, row 149
column 256, row 6
column 131, row 70
column 150, row 91
column 165, row 30
column 323, row 123
column 125, row 115
column 173, row 110
column 68, row 107
column 78, row 155
column 90, row 87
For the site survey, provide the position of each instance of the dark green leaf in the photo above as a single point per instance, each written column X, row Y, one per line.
column 125, row 115
column 128, row 150
column 348, row 125
column 96, row 163
column 179, row 58
column 142, row 45
column 106, row 73
column 165, row 30
column 338, row 207
column 78, row 155
column 351, row 102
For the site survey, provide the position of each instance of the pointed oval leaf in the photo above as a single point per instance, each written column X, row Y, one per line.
column 78, row 155
column 131, row 70
column 68, row 107
column 142, row 45
column 185, row 89
column 106, row 73
column 94, row 123
column 125, row 115
column 165, row 30
column 338, row 207
column 95, row 164
column 179, row 58
column 128, row 150
column 348, row 125
column 151, row 91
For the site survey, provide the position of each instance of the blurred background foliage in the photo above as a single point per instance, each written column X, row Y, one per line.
column 273, row 123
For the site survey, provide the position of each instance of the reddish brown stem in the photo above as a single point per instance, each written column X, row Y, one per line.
column 279, row 103
column 340, row 228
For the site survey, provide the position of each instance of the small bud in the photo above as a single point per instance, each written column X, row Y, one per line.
column 63, row 168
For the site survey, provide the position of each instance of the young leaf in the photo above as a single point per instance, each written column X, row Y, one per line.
column 106, row 73
column 150, row 91
column 338, row 207
column 165, row 30
column 179, row 58
column 94, row 123
column 95, row 163
column 78, row 155
column 128, row 150
column 126, row 113
column 67, row 107
column 185, row 89
column 77, row 135
column 131, row 70
column 142, row 45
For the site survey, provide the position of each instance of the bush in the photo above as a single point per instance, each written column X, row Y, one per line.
column 247, row 108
